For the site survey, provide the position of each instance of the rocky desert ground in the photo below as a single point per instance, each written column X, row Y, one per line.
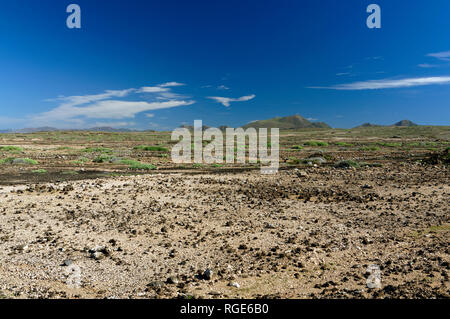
column 97, row 215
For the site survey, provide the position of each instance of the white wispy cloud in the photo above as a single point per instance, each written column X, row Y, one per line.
column 226, row 101
column 108, row 109
column 427, row 66
column 171, row 96
column 171, row 84
column 150, row 115
column 152, row 89
column 388, row 83
column 109, row 105
column 84, row 99
column 444, row 56
column 161, row 89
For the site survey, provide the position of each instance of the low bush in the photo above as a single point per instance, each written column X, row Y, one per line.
column 39, row 171
column 390, row 144
column 316, row 143
column 151, row 148
column 347, row 164
column 136, row 165
column 18, row 161
column 102, row 159
column 80, row 161
column 11, row 149
column 343, row 144
column 97, row 150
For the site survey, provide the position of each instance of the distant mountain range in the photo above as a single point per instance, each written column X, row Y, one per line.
column 403, row 123
column 287, row 123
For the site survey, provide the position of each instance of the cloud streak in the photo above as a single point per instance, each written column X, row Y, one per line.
column 427, row 66
column 152, row 89
column 171, row 84
column 388, row 84
column 84, row 99
column 109, row 109
column 110, row 105
column 226, row 101
column 444, row 56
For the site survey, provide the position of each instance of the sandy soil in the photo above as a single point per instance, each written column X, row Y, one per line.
column 302, row 233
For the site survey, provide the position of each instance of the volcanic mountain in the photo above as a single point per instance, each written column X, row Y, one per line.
column 286, row 123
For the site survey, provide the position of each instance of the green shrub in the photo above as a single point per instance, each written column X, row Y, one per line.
column 80, row 161
column 347, row 164
column 142, row 166
column 316, row 143
column 151, row 148
column 11, row 149
column 343, row 144
column 97, row 150
column 390, row 144
column 102, row 159
column 39, row 171
column 28, row 161
column 18, row 161
column 129, row 162
column 297, row 147
column 136, row 165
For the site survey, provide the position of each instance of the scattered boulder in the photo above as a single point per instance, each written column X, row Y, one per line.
column 173, row 280
column 317, row 160
column 208, row 274
column 67, row 262
column 98, row 252
column 234, row 284
column 302, row 174
column 155, row 285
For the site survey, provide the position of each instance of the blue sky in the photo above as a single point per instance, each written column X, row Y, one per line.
column 158, row 64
